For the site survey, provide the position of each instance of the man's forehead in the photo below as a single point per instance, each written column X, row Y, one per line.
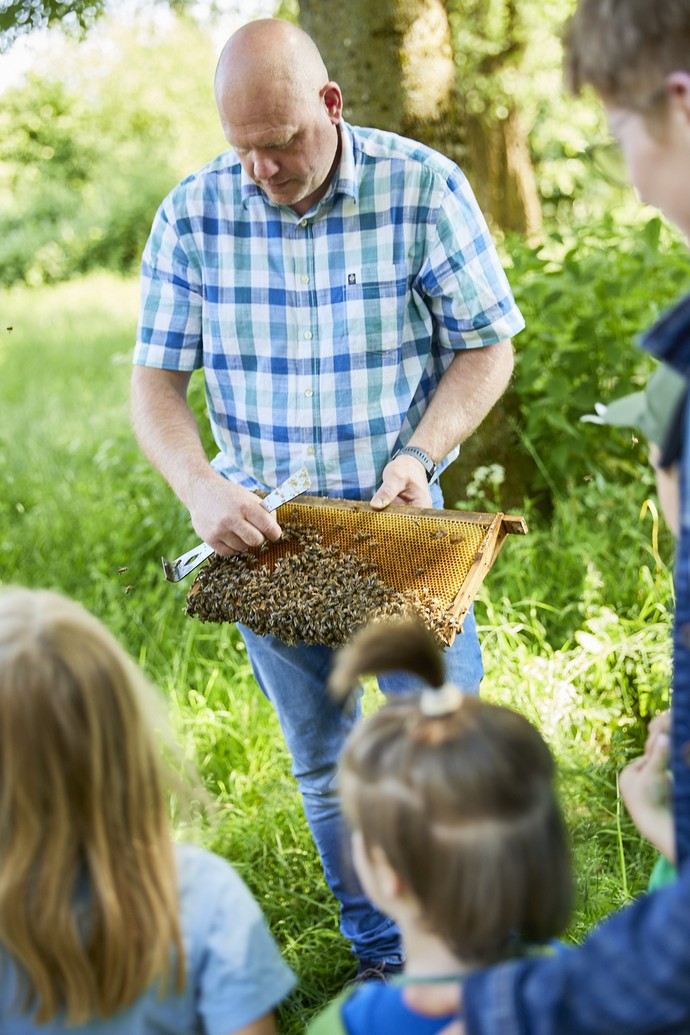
column 263, row 118
column 260, row 134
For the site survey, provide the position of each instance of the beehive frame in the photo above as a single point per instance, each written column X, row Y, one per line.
column 443, row 554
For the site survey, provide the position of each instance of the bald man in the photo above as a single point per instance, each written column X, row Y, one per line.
column 340, row 291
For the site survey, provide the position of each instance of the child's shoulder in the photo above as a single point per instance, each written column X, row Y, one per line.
column 230, row 952
column 192, row 860
column 197, row 865
column 374, row 1006
column 209, row 886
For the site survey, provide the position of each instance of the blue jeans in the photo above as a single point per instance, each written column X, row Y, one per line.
column 294, row 679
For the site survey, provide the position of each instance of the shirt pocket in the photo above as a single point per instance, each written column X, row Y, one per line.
column 375, row 298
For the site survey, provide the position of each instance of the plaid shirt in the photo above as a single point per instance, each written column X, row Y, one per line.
column 322, row 337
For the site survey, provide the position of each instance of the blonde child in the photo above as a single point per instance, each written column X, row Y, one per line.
column 106, row 927
column 456, row 832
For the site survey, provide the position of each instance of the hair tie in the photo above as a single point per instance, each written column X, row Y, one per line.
column 438, row 701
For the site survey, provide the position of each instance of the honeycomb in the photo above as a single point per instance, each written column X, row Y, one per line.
column 340, row 564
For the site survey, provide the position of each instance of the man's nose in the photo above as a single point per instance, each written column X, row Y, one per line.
column 264, row 166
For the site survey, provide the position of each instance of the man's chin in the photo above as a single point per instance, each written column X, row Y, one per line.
column 287, row 194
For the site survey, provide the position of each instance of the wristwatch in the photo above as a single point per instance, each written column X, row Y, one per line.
column 425, row 460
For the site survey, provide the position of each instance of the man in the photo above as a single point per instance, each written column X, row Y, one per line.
column 339, row 289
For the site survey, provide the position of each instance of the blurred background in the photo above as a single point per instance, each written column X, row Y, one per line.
column 104, row 107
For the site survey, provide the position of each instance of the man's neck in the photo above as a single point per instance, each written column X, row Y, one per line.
column 315, row 197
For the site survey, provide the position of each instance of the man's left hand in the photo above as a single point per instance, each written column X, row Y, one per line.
column 405, row 482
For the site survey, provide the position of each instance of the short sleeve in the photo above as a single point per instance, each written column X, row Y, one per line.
column 238, row 970
column 330, row 1020
column 462, row 280
column 169, row 334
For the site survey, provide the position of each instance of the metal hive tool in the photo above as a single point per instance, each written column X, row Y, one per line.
column 341, row 563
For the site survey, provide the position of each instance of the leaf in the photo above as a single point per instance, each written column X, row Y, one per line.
column 651, row 234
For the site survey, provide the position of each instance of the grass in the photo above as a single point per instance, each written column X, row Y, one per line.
column 574, row 621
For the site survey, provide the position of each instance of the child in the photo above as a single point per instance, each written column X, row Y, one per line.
column 456, row 831
column 659, row 412
column 632, row 974
column 105, row 926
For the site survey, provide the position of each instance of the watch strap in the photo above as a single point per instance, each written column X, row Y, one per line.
column 425, row 460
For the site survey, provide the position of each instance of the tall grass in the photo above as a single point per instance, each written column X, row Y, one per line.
column 574, row 620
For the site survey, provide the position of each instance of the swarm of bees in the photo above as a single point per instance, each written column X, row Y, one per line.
column 313, row 593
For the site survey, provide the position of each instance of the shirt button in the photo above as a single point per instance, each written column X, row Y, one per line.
column 308, row 335
column 685, row 636
column 310, row 451
column 304, row 278
column 304, row 222
column 309, row 393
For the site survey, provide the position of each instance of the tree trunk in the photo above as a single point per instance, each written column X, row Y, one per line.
column 498, row 164
column 394, row 62
column 393, row 58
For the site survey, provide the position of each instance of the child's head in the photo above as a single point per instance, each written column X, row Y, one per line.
column 460, row 804
column 636, row 54
column 626, row 49
column 82, row 806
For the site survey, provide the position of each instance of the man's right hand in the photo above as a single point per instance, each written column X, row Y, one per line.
column 230, row 518
column 226, row 516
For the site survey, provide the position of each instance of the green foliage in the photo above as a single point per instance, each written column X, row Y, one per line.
column 587, row 295
column 509, row 58
column 575, row 624
column 574, row 620
column 18, row 17
column 89, row 148
column 21, row 16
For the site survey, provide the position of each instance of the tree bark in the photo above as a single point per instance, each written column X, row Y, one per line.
column 392, row 58
column 395, row 64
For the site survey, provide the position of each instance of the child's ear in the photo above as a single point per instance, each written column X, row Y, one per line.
column 678, row 87
column 389, row 880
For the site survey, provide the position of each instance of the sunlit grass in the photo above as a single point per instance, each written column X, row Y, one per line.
column 574, row 620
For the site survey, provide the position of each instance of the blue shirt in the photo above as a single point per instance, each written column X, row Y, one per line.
column 375, row 1008
column 322, row 337
column 632, row 974
column 234, row 971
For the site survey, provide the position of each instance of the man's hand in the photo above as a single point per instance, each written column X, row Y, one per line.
column 645, row 786
column 404, row 481
column 230, row 518
column 226, row 516
column 476, row 376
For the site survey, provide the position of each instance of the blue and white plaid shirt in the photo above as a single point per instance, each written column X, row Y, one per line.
column 322, row 337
